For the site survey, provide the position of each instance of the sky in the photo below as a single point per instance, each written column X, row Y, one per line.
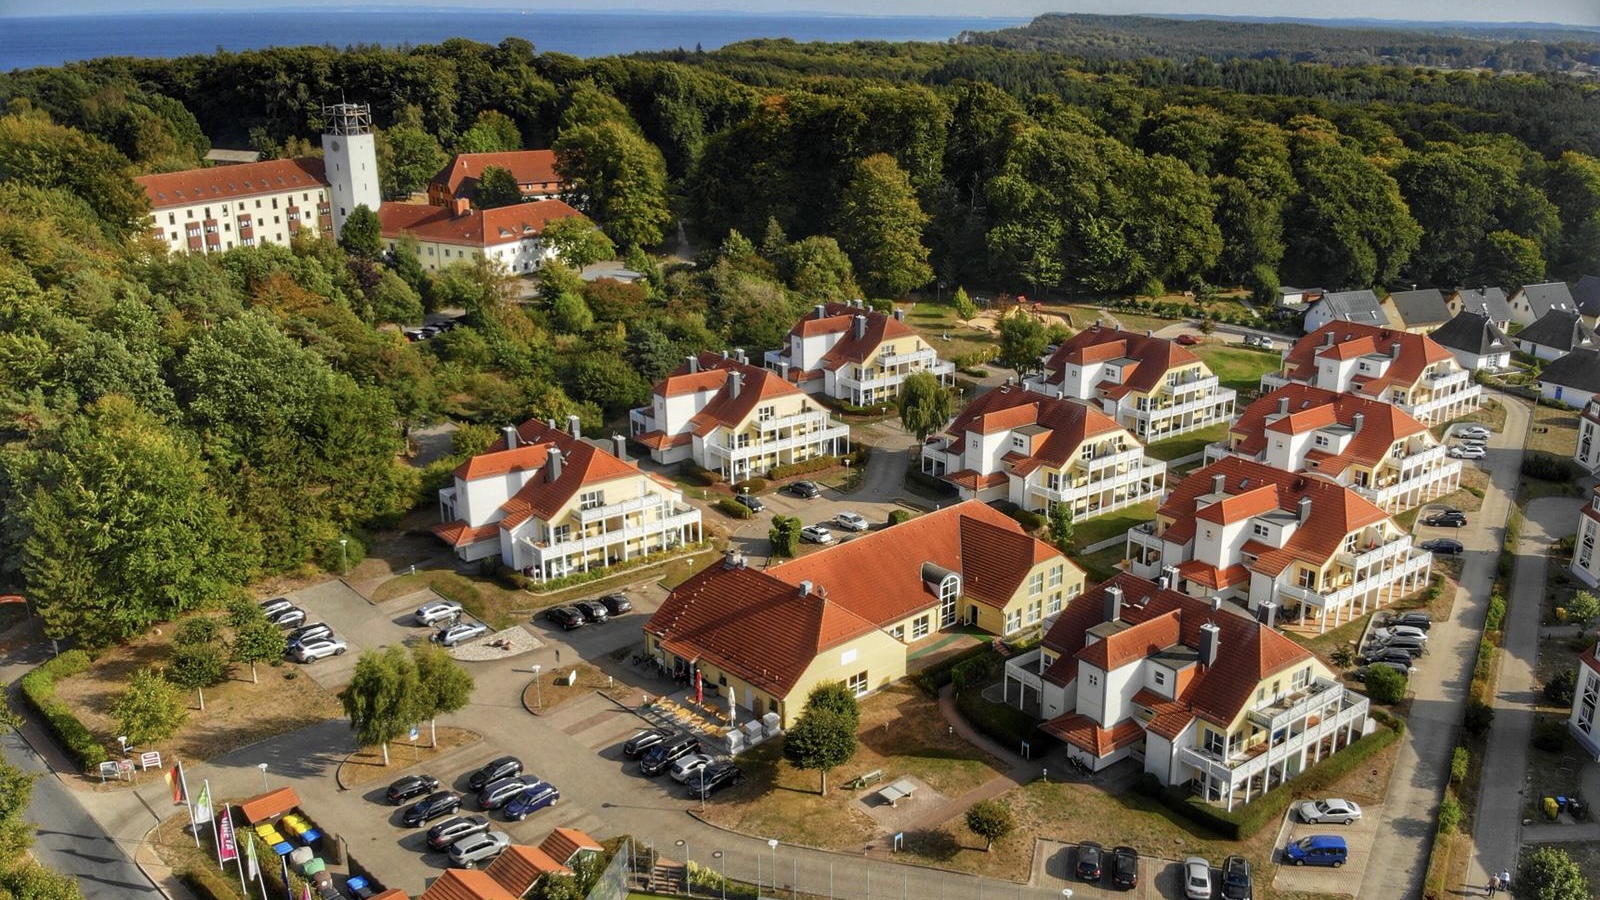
column 1566, row 12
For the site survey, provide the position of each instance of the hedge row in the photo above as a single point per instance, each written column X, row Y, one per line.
column 931, row 483
column 1006, row 724
column 698, row 475
column 939, row 674
column 1244, row 821
column 804, row 467
column 733, row 509
column 39, row 687
column 566, row 581
column 751, row 486
column 1550, row 467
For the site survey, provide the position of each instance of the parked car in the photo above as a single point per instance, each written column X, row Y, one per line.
column 750, row 501
column 1410, row 645
column 1236, row 881
column 292, row 617
column 479, row 848
column 275, row 605
column 1472, row 431
column 636, row 746
column 1318, row 850
column 496, row 794
column 568, row 617
column 313, row 649
column 850, row 521
column 440, row 803
column 494, row 770
column 667, row 752
column 1366, row 670
column 688, row 765
column 616, row 604
column 593, row 611
column 1392, row 630
column 816, row 534
column 1465, row 452
column 306, row 633
column 459, row 633
column 1197, row 878
column 531, row 801
column 1125, row 868
column 714, row 778
column 1387, row 654
column 805, row 490
column 436, row 611
column 1189, row 340
column 1414, row 619
column 1443, row 546
column 1090, row 857
column 1315, row 812
column 449, row 831
column 1448, row 519
column 411, row 786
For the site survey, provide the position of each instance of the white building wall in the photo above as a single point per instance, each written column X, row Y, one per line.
column 480, row 499
column 989, row 449
column 1587, row 453
column 1091, row 692
column 1121, row 685
column 350, row 163
column 1584, row 720
column 1569, row 396
column 1586, row 550
column 267, row 213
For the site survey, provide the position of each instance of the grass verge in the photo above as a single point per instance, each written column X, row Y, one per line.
column 1112, row 524
column 366, row 765
column 1185, row 444
column 1238, row 367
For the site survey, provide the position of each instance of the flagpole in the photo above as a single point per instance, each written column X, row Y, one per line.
column 188, row 803
column 214, row 839
column 238, row 857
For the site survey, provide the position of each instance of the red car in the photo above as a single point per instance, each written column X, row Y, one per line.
column 1186, row 340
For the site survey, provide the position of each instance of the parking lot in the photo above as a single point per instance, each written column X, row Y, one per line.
column 751, row 534
column 1346, row 879
column 1055, row 863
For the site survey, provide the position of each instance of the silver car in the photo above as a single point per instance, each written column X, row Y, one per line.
column 459, row 633
column 496, row 794
column 478, row 848
column 1197, row 878
column 313, row 649
column 436, row 611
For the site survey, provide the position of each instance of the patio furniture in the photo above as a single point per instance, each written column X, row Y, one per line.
column 903, row 789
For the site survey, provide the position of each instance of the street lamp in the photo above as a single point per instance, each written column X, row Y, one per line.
column 538, row 689
column 122, row 741
column 687, row 879
column 722, row 871
column 263, row 768
column 344, row 558
column 773, row 843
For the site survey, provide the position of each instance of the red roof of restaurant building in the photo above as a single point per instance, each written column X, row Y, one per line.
column 220, row 184
column 477, row 228
column 565, row 843
column 466, row 884
column 519, row 867
column 460, row 176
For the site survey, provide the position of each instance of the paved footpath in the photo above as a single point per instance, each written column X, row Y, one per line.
column 1497, row 835
column 1399, row 860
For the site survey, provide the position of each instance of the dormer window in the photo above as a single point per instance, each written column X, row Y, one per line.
column 1161, row 678
column 766, row 413
column 1322, row 441
column 1087, row 452
column 1019, row 443
column 1260, row 530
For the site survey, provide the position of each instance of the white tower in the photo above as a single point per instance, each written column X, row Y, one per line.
column 350, row 158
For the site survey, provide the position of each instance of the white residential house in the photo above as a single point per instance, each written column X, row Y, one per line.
column 1411, row 371
column 512, row 235
column 550, row 504
column 1039, row 451
column 1585, row 557
column 1582, row 721
column 734, row 418
column 1587, row 453
column 1361, row 307
column 1574, row 379
column 1530, row 302
column 1476, row 342
column 1555, row 334
column 855, row 354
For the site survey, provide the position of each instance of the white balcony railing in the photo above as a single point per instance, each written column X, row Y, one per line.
column 622, row 507
column 1414, row 461
column 925, row 356
column 1025, row 669
column 1298, row 705
column 1446, row 381
column 1376, row 555
column 1417, row 562
column 817, row 416
column 1235, row 767
column 1217, row 400
column 759, row 448
column 1206, row 385
column 1425, row 410
column 1272, row 381
column 1120, row 458
column 544, row 552
column 1418, row 483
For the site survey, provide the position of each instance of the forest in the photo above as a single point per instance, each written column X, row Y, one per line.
column 172, row 428
column 1502, row 49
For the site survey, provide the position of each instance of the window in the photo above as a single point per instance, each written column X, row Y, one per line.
column 857, row 683
column 1033, row 612
column 766, row 413
column 1087, row 452
column 1259, row 530
column 1054, row 605
column 1308, row 579
column 1094, row 680
column 561, row 534
column 1019, row 443
column 1322, row 440
column 1056, row 573
column 1302, row 678
column 1036, row 583
column 208, row 212
column 1350, row 542
column 172, row 218
column 1591, row 696
column 919, row 628
column 1013, row 620
column 1161, row 678
column 1052, row 481
column 1216, row 744
column 898, row 632
column 274, row 202
column 592, row 500
column 740, row 441
column 258, row 204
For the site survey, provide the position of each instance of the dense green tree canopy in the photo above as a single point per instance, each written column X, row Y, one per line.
column 881, row 226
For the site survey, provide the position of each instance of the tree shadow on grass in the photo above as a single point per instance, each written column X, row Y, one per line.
column 933, row 844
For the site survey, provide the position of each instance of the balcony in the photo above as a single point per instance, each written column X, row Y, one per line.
column 1272, row 381
column 1429, row 457
column 623, row 508
column 758, row 448
column 1213, row 401
column 1447, row 381
column 820, row 417
column 774, row 358
column 543, row 552
column 1375, row 555
column 1425, row 410
column 1025, row 669
column 1237, row 765
column 1286, row 711
column 1419, row 484
column 926, row 356
column 1206, row 385
column 1131, row 457
column 641, row 420
column 1417, row 562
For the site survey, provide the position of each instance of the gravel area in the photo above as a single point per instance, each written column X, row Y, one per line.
column 498, row 645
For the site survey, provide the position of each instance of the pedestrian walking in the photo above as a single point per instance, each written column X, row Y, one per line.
column 1494, row 884
column 558, row 656
column 1505, row 880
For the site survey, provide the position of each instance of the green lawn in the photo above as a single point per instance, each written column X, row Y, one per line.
column 1100, row 566
column 1185, row 444
column 1112, row 524
column 1237, row 367
column 938, row 325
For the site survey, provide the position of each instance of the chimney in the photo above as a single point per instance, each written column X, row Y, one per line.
column 551, row 423
column 1210, row 639
column 619, row 446
column 733, row 558
column 1267, row 614
column 1394, row 350
column 1111, row 603
column 573, row 427
column 552, row 469
column 805, row 588
column 1149, row 332
column 1327, row 339
column 860, row 327
column 899, row 314
column 1171, row 573
column 1305, row 510
column 694, row 363
column 738, row 353
column 783, row 370
column 735, row 382
column 460, row 207
column 1219, row 484
column 1358, row 420
column 509, row 432
column 1283, row 406
column 822, row 310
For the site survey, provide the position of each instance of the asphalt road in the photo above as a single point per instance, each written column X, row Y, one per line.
column 68, row 840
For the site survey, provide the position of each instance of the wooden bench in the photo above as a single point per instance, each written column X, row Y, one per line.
column 866, row 778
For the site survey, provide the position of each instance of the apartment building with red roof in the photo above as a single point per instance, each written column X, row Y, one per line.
column 1372, row 447
column 1411, row 371
column 1585, row 557
column 534, row 171
column 851, row 612
column 1272, row 539
column 1151, row 386
column 734, row 418
column 514, row 235
column 1582, row 721
column 1198, row 692
column 854, row 354
column 551, row 503
column 216, row 209
column 1038, row 451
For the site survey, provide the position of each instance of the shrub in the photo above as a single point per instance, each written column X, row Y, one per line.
column 1485, row 662
column 333, row 557
column 938, row 675
column 973, row 672
column 1561, row 689
column 1551, row 735
column 1385, row 685
column 1006, row 724
column 930, row 483
column 1478, row 717
column 1029, row 519
column 1449, row 815
column 1497, row 613
column 803, row 467
column 751, row 486
column 1550, row 467
column 896, row 516
column 1460, row 763
column 733, row 509
column 39, row 687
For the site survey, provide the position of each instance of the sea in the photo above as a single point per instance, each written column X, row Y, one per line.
column 29, row 41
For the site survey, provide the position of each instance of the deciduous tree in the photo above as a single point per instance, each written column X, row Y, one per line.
column 1022, row 342
column 257, row 641
column 1548, row 873
column 150, row 709
column 443, row 685
column 381, row 699
column 362, row 235
column 821, row 739
column 578, row 242
column 197, row 667
column 962, row 303
column 991, row 820
column 618, row 179
column 785, row 535
column 925, row 404
column 496, row 187
column 1061, row 526
column 880, row 226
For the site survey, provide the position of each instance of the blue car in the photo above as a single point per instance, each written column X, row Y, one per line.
column 531, row 801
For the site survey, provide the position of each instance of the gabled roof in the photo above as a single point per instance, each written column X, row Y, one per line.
column 1485, row 301
column 1247, row 651
column 1420, row 308
column 1007, row 407
column 459, row 534
column 1151, row 357
column 1541, row 298
column 460, row 176
column 1081, row 731
column 582, row 464
column 722, row 407
column 1559, row 329
column 1298, row 408
column 220, row 184
column 1354, row 306
column 276, row 802
column 839, row 318
column 501, row 462
column 1337, row 510
column 1472, row 332
column 466, row 884
column 1586, row 295
column 1350, row 340
column 1133, row 644
column 1579, row 370
column 519, row 867
column 565, row 843
column 478, row 228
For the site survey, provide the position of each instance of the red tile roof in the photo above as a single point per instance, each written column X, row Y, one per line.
column 1248, row 651
column 1352, row 339
column 660, row 440
column 1132, row 644
column 461, row 176
column 519, row 867
column 1213, row 577
column 393, row 894
column 972, row 480
column 220, row 184
column 839, row 318
column 1588, row 658
column 1069, row 424
column 1081, row 731
column 1153, row 356
column 466, row 884
column 1311, row 408
column 723, row 408
column 501, row 462
column 477, row 228
column 262, row 807
column 1240, row 507
column 582, row 464
column 460, row 534
column 564, row 844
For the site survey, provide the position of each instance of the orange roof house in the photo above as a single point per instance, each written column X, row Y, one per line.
column 519, row 868
column 1307, row 543
column 855, row 354
column 1411, row 371
column 539, row 496
column 534, row 171
column 466, row 884
column 445, row 235
column 566, row 844
column 266, row 806
column 213, row 210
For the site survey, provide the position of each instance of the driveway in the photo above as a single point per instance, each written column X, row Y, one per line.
column 358, row 622
column 1358, row 835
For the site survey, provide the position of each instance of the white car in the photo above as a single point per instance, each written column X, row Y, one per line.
column 1197, row 878
column 816, row 534
column 684, row 768
column 851, row 521
column 436, row 611
column 1399, row 631
column 1475, row 432
column 1468, row 451
column 313, row 649
column 1316, row 812
column 469, row 851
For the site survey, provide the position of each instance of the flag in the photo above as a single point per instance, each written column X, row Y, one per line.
column 253, row 867
column 175, row 781
column 699, row 689
column 227, row 848
column 202, row 804
column 305, row 891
